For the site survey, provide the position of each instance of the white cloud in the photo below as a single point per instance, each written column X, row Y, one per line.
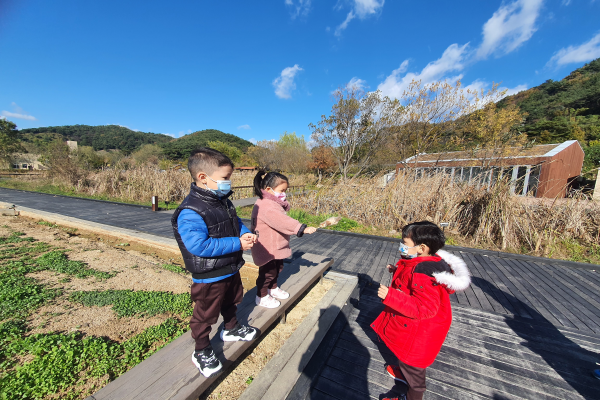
column 510, row 26
column 284, row 84
column 451, row 61
column 587, row 51
column 252, row 140
column 18, row 113
column 244, row 127
column 344, row 25
column 298, row 7
column 8, row 114
column 356, row 83
column 360, row 9
column 566, row 2
column 515, row 90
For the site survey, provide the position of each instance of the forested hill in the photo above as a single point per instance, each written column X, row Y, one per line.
column 102, row 137
column 565, row 109
column 105, row 137
column 183, row 146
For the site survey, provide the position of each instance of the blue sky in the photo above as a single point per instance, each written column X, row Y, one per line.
column 257, row 69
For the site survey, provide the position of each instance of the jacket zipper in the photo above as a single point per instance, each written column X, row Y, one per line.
column 235, row 229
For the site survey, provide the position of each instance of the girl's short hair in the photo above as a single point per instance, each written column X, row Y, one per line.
column 264, row 179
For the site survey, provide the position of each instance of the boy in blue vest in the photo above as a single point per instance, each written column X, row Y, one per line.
column 212, row 238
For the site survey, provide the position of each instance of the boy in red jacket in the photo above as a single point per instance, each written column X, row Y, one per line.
column 417, row 316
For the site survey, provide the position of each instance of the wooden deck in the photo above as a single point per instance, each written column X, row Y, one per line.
column 526, row 328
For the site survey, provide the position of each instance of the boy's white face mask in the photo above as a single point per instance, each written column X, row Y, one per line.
column 404, row 251
column 223, row 187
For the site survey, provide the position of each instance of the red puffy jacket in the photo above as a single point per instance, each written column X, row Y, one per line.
column 417, row 316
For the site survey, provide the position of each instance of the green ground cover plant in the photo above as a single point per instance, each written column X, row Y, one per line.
column 129, row 303
column 57, row 261
column 69, row 365
column 173, row 268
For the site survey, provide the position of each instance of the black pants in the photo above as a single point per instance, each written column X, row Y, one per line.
column 210, row 300
column 267, row 277
column 416, row 381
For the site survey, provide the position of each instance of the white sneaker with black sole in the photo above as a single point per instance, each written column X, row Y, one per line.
column 207, row 362
column 239, row 333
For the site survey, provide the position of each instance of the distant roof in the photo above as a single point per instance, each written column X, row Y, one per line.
column 540, row 150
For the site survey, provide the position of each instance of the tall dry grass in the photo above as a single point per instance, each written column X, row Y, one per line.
column 490, row 218
column 140, row 183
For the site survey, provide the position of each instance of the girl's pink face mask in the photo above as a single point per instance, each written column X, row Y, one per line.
column 281, row 196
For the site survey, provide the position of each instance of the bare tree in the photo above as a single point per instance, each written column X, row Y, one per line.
column 359, row 125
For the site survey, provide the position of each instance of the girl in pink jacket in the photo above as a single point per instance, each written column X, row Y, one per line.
column 273, row 228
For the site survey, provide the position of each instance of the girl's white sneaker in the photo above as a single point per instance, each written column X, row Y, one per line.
column 267, row 301
column 278, row 293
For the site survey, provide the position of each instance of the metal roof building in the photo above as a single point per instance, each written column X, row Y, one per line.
column 543, row 170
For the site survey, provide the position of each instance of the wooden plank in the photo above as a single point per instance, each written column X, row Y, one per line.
column 520, row 302
column 526, row 290
column 169, row 373
column 363, row 386
column 499, row 289
column 553, row 293
column 588, row 305
column 317, row 362
column 481, row 287
column 455, row 351
column 579, row 282
column 340, row 391
column 278, row 377
column 523, row 377
column 378, row 260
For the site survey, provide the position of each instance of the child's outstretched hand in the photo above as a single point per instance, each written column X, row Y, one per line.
column 250, row 237
column 383, row 291
column 310, row 230
column 391, row 268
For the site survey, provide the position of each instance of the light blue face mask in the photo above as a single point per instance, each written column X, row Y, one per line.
column 404, row 251
column 224, row 187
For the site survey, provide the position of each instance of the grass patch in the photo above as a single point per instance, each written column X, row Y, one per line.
column 57, row 261
column 244, row 212
column 127, row 303
column 173, row 268
column 61, row 361
column 20, row 294
column 46, row 223
column 344, row 225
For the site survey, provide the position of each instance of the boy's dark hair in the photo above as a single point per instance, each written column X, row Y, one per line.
column 264, row 179
column 207, row 160
column 427, row 233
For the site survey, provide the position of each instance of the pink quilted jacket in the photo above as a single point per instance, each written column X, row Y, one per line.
column 274, row 227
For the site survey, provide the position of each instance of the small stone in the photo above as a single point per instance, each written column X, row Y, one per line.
column 393, row 231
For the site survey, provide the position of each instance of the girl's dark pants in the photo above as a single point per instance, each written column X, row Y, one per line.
column 416, row 381
column 210, row 300
column 267, row 277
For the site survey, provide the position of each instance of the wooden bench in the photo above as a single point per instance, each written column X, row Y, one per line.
column 170, row 373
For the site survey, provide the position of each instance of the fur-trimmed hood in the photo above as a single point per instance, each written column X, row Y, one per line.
column 460, row 279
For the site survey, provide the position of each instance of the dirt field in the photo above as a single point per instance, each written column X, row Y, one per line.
column 131, row 268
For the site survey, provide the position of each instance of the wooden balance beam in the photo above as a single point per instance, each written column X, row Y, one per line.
column 170, row 373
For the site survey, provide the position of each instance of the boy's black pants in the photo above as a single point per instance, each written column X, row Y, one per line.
column 210, row 300
column 416, row 381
